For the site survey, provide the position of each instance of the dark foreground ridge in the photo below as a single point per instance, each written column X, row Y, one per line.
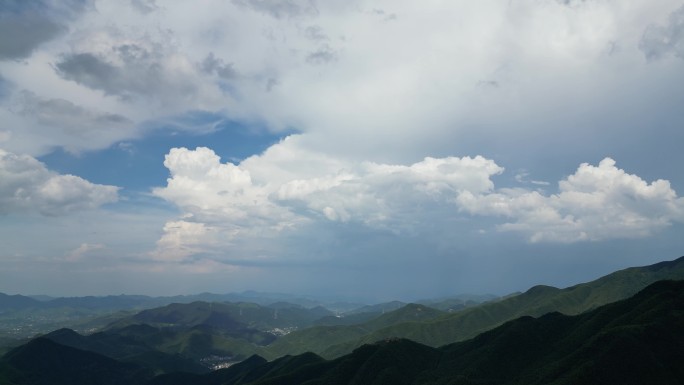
column 639, row 340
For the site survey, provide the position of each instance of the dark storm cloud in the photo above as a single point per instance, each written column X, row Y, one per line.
column 661, row 40
column 24, row 25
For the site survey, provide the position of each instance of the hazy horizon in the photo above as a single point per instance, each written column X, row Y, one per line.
column 353, row 149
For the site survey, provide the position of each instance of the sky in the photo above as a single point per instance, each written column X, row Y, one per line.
column 350, row 149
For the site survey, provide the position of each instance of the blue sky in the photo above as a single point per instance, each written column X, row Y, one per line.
column 360, row 149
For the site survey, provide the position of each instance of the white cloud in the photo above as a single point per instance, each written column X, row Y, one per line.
column 595, row 203
column 286, row 188
column 223, row 204
column 27, row 185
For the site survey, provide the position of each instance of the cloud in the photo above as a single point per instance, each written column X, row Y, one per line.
column 24, row 26
column 595, row 203
column 387, row 92
column 275, row 195
column 323, row 55
column 26, row 185
column 280, row 8
column 145, row 6
column 289, row 188
column 397, row 198
column 213, row 191
column 131, row 71
column 213, row 65
column 68, row 116
column 390, row 116
column 41, row 124
column 83, row 251
column 183, row 239
column 660, row 40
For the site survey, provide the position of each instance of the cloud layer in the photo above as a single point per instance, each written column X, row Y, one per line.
column 447, row 132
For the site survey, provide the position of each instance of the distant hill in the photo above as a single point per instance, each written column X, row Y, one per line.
column 635, row 341
column 228, row 315
column 16, row 302
column 459, row 302
column 334, row 341
column 380, row 308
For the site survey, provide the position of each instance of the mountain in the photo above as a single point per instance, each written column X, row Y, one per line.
column 16, row 302
column 200, row 330
column 469, row 322
column 94, row 312
column 42, row 361
column 228, row 316
column 459, row 302
column 380, row 308
column 126, row 348
column 319, row 338
column 639, row 340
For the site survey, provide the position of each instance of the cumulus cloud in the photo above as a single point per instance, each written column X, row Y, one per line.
column 394, row 197
column 264, row 196
column 27, row 185
column 213, row 191
column 286, row 188
column 595, row 203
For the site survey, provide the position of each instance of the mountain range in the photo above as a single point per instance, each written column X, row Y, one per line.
column 544, row 335
column 639, row 340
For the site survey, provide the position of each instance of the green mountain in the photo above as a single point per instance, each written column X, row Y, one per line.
column 319, row 338
column 126, row 348
column 639, row 340
column 335, row 341
column 634, row 340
